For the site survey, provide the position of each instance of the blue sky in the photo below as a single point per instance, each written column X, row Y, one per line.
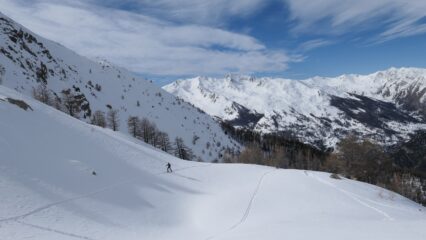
column 169, row 39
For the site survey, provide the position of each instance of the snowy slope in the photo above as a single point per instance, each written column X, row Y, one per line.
column 48, row 192
column 23, row 55
column 385, row 105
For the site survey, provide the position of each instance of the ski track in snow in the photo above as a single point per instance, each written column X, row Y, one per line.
column 42, row 208
column 354, row 197
column 186, row 177
column 247, row 211
column 73, row 235
column 22, row 216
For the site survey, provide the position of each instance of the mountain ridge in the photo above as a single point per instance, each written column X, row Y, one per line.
column 313, row 109
column 28, row 61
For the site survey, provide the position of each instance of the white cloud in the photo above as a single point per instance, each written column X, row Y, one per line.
column 399, row 18
column 191, row 40
column 209, row 12
column 312, row 44
column 144, row 44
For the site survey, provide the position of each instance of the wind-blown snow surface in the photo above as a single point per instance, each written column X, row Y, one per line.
column 385, row 105
column 23, row 55
column 47, row 191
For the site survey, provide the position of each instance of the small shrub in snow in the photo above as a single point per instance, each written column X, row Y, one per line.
column 195, row 139
column 335, row 176
column 42, row 94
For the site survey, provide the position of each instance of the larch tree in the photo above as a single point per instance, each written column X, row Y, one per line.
column 98, row 119
column 113, row 119
column 182, row 151
column 133, row 124
column 164, row 142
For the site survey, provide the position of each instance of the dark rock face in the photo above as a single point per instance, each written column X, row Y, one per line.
column 411, row 101
column 19, row 103
column 246, row 118
column 25, row 50
column 371, row 112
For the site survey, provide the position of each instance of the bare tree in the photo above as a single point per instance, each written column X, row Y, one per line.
column 148, row 130
column 57, row 103
column 2, row 72
column 182, row 151
column 154, row 139
column 98, row 119
column 229, row 156
column 164, row 142
column 362, row 160
column 42, row 94
column 42, row 73
column 251, row 154
column 70, row 103
column 113, row 119
column 279, row 158
column 133, row 124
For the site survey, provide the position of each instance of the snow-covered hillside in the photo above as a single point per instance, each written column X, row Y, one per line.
column 48, row 190
column 385, row 105
column 28, row 61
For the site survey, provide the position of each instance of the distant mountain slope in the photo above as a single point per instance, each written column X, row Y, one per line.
column 385, row 105
column 412, row 154
column 28, row 61
column 49, row 191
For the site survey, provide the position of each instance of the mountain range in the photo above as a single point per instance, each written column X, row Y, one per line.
column 386, row 106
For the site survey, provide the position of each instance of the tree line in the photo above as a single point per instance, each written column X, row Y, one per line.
column 75, row 105
column 367, row 161
column 147, row 131
column 354, row 158
column 273, row 150
column 71, row 102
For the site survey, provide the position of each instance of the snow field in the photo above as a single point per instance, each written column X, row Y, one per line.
column 48, row 192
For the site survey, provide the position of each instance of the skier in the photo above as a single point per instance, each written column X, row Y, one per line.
column 169, row 167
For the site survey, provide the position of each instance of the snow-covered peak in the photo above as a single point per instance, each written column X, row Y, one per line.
column 315, row 107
